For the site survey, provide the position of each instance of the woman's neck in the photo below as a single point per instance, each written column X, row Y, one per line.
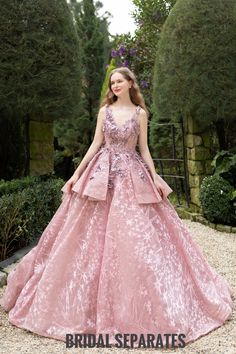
column 124, row 101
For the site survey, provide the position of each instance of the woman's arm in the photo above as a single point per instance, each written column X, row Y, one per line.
column 144, row 149
column 97, row 142
column 143, row 145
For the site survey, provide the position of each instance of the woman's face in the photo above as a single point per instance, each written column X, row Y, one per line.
column 119, row 85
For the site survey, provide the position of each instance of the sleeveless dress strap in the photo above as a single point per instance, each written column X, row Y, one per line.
column 138, row 108
column 108, row 112
column 105, row 118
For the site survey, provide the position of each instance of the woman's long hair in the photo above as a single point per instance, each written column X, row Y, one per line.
column 135, row 94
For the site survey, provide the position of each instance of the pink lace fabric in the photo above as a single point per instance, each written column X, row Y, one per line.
column 116, row 258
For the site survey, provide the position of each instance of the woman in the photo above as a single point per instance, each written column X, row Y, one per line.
column 116, row 258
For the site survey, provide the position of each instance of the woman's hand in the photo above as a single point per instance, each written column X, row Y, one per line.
column 158, row 185
column 70, row 183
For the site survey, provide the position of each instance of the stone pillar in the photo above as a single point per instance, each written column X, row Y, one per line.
column 41, row 150
column 198, row 143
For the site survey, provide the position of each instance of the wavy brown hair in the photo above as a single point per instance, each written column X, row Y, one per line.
column 134, row 92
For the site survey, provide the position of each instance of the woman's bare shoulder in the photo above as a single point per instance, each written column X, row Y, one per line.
column 143, row 117
column 102, row 112
column 142, row 111
column 102, row 109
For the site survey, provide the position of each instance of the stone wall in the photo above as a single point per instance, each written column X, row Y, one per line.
column 198, row 143
column 41, row 150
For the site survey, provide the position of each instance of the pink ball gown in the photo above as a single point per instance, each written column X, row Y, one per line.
column 116, row 257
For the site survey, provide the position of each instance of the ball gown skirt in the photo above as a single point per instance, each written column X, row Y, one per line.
column 116, row 257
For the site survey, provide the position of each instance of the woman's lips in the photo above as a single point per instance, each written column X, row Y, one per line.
column 117, row 90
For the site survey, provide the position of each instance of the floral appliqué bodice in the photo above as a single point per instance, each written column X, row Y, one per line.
column 116, row 160
column 120, row 142
column 121, row 139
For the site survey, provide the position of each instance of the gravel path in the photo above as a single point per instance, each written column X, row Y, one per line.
column 220, row 250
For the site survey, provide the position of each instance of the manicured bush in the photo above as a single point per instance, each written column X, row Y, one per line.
column 224, row 163
column 13, row 227
column 195, row 67
column 15, row 185
column 25, row 210
column 216, row 197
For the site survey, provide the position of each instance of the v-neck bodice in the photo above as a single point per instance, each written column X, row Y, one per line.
column 133, row 117
column 121, row 138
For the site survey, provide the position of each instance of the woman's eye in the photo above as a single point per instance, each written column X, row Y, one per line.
column 118, row 81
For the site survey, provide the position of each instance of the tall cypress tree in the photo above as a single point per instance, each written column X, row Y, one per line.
column 76, row 134
column 40, row 67
column 195, row 66
column 93, row 59
column 39, row 73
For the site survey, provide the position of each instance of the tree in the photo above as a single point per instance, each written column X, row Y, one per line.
column 93, row 37
column 195, row 66
column 76, row 135
column 110, row 67
column 39, row 73
column 149, row 17
column 39, row 59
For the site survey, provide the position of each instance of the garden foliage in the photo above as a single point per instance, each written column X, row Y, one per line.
column 26, row 207
column 216, row 197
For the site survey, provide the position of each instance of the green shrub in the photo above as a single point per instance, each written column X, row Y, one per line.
column 15, row 185
column 41, row 201
column 26, row 210
column 216, row 197
column 13, row 225
column 224, row 163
